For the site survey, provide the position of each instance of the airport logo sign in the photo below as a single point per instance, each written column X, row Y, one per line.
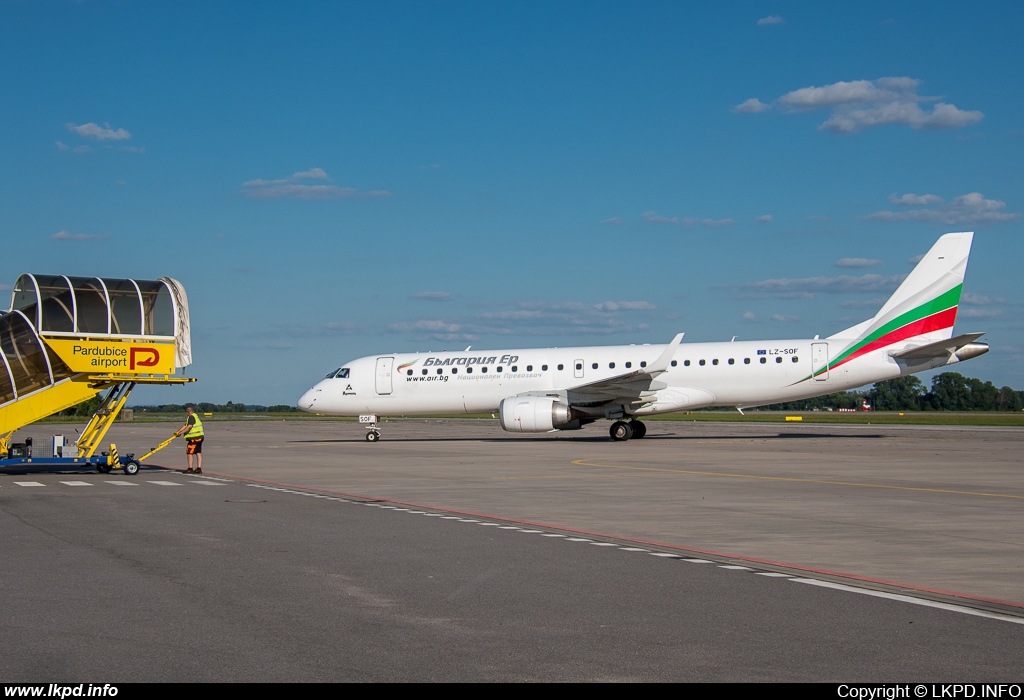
column 114, row 356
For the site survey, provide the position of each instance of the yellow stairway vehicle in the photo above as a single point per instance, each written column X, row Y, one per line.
column 67, row 339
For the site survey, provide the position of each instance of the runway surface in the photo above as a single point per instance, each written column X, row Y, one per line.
column 565, row 557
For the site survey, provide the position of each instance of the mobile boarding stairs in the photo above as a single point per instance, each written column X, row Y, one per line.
column 66, row 340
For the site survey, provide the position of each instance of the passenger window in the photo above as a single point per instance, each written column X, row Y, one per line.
column 714, row 362
column 795, row 359
column 514, row 368
column 499, row 368
column 455, row 370
column 763, row 360
column 579, row 365
column 643, row 364
column 483, row 370
column 469, row 370
column 611, row 365
column 732, row 361
column 543, row 368
column 424, row 371
column 529, row 368
column 594, row 365
column 561, row 367
column 746, row 360
column 628, row 365
column 702, row 363
column 409, row 372
column 674, row 363
column 778, row 360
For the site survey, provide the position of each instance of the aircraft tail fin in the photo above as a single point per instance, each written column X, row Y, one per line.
column 923, row 309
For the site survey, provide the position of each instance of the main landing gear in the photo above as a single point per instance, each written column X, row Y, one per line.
column 623, row 430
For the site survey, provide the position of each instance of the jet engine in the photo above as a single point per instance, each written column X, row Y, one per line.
column 535, row 414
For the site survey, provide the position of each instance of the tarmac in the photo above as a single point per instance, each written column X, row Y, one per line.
column 938, row 510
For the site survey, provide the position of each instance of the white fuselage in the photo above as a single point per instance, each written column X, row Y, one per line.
column 701, row 374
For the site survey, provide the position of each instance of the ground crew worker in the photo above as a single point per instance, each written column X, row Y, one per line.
column 193, row 432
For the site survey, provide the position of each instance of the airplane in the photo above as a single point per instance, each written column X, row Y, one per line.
column 553, row 389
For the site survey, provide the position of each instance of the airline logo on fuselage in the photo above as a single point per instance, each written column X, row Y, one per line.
column 465, row 361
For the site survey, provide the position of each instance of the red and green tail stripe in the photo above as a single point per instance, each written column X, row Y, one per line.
column 935, row 315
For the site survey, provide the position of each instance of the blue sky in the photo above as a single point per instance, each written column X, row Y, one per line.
column 331, row 180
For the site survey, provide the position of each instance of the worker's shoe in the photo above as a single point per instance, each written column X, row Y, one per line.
column 198, row 471
column 190, row 470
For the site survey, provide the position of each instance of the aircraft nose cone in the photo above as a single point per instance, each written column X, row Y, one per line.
column 307, row 400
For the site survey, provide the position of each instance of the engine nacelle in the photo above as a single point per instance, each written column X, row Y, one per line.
column 534, row 414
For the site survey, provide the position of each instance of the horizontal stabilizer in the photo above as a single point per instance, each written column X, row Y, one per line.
column 939, row 348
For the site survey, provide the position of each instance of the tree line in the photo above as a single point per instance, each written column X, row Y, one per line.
column 950, row 391
column 87, row 408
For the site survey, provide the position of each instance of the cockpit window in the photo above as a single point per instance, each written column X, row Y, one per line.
column 338, row 373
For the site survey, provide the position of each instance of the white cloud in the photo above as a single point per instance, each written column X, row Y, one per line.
column 974, row 298
column 751, row 106
column 766, row 219
column 292, row 188
column 99, row 133
column 970, row 208
column 858, row 262
column 979, row 313
column 913, row 200
column 875, row 303
column 709, row 223
column 784, row 319
column 614, row 221
column 65, row 235
column 652, row 217
column 625, row 306
column 809, row 287
column 749, row 316
column 313, row 174
column 61, row 146
column 860, row 104
column 916, row 259
column 770, row 19
column 540, row 318
column 433, row 296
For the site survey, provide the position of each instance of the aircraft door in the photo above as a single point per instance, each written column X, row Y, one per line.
column 577, row 369
column 819, row 361
column 385, row 365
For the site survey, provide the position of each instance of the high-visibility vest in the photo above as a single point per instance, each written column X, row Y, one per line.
column 196, row 431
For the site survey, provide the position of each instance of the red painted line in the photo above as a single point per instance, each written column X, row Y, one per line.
column 636, row 540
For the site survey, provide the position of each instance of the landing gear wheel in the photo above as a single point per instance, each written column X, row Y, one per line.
column 620, row 430
column 372, row 436
column 131, row 467
column 639, row 429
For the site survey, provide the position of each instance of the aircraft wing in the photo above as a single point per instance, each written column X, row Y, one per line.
column 636, row 387
column 938, row 349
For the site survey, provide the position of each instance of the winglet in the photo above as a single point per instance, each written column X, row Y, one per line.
column 661, row 364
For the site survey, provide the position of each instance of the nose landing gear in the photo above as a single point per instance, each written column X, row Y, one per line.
column 372, row 434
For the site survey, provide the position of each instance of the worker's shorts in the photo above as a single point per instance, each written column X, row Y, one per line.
column 194, row 446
